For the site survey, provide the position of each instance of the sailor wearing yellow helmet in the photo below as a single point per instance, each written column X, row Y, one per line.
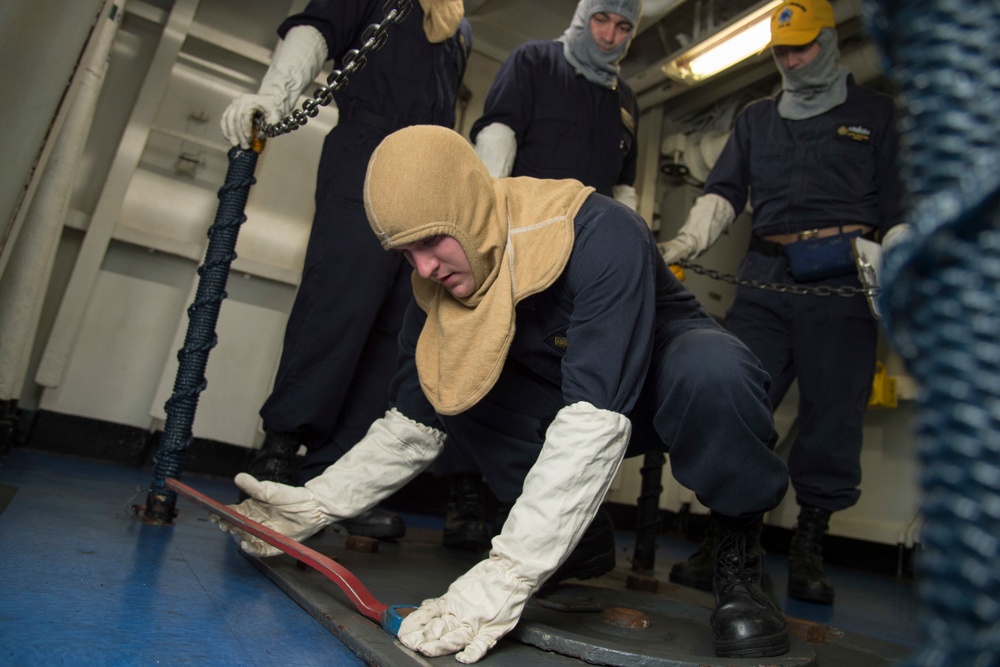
column 816, row 164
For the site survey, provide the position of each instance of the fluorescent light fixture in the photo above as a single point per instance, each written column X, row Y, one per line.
column 745, row 37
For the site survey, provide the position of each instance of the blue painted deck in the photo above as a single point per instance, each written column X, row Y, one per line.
column 84, row 582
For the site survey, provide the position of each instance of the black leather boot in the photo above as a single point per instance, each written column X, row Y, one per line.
column 377, row 523
column 465, row 515
column 592, row 557
column 806, row 579
column 747, row 622
column 276, row 461
column 698, row 571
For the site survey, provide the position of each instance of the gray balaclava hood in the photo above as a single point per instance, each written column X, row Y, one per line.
column 582, row 51
column 816, row 88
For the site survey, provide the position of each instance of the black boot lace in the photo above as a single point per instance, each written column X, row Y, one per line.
column 738, row 563
column 807, row 539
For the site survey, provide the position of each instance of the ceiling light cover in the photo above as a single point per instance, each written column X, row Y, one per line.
column 736, row 42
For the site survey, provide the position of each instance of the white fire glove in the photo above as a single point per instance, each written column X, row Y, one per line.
column 708, row 218
column 496, row 145
column 583, row 449
column 289, row 510
column 297, row 60
column 625, row 194
column 393, row 452
column 898, row 233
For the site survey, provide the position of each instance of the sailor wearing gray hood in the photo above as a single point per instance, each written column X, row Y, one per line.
column 559, row 109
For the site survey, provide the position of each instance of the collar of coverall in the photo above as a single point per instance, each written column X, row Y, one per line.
column 441, row 18
column 582, row 52
column 517, row 233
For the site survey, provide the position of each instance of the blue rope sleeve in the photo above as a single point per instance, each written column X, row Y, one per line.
column 203, row 314
column 941, row 305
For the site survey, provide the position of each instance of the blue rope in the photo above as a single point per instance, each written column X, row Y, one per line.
column 203, row 314
column 941, row 305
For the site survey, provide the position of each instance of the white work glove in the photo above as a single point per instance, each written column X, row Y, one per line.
column 496, row 145
column 394, row 451
column 297, row 60
column 625, row 194
column 583, row 449
column 898, row 233
column 708, row 218
column 479, row 608
column 289, row 510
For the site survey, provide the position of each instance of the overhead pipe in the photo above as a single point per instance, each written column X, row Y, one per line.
column 27, row 274
column 107, row 211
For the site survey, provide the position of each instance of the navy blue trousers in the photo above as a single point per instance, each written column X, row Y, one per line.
column 340, row 342
column 828, row 343
column 704, row 403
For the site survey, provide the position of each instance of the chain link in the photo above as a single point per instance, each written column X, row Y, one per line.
column 819, row 290
column 373, row 39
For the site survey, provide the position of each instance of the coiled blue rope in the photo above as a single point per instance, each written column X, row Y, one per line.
column 941, row 305
column 203, row 314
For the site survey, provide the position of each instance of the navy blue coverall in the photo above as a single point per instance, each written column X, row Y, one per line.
column 566, row 126
column 836, row 168
column 339, row 351
column 618, row 330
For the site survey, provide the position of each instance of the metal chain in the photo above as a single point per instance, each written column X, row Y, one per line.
column 819, row 290
column 373, row 39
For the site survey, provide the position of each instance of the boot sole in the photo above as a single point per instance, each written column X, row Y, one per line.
column 756, row 647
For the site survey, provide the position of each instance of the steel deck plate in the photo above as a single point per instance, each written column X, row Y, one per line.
column 418, row 567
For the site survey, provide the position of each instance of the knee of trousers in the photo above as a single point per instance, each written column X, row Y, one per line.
column 712, row 373
column 714, row 413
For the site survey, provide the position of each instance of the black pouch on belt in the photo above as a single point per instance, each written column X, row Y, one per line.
column 820, row 258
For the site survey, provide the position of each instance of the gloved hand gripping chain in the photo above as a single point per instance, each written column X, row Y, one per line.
column 373, row 39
